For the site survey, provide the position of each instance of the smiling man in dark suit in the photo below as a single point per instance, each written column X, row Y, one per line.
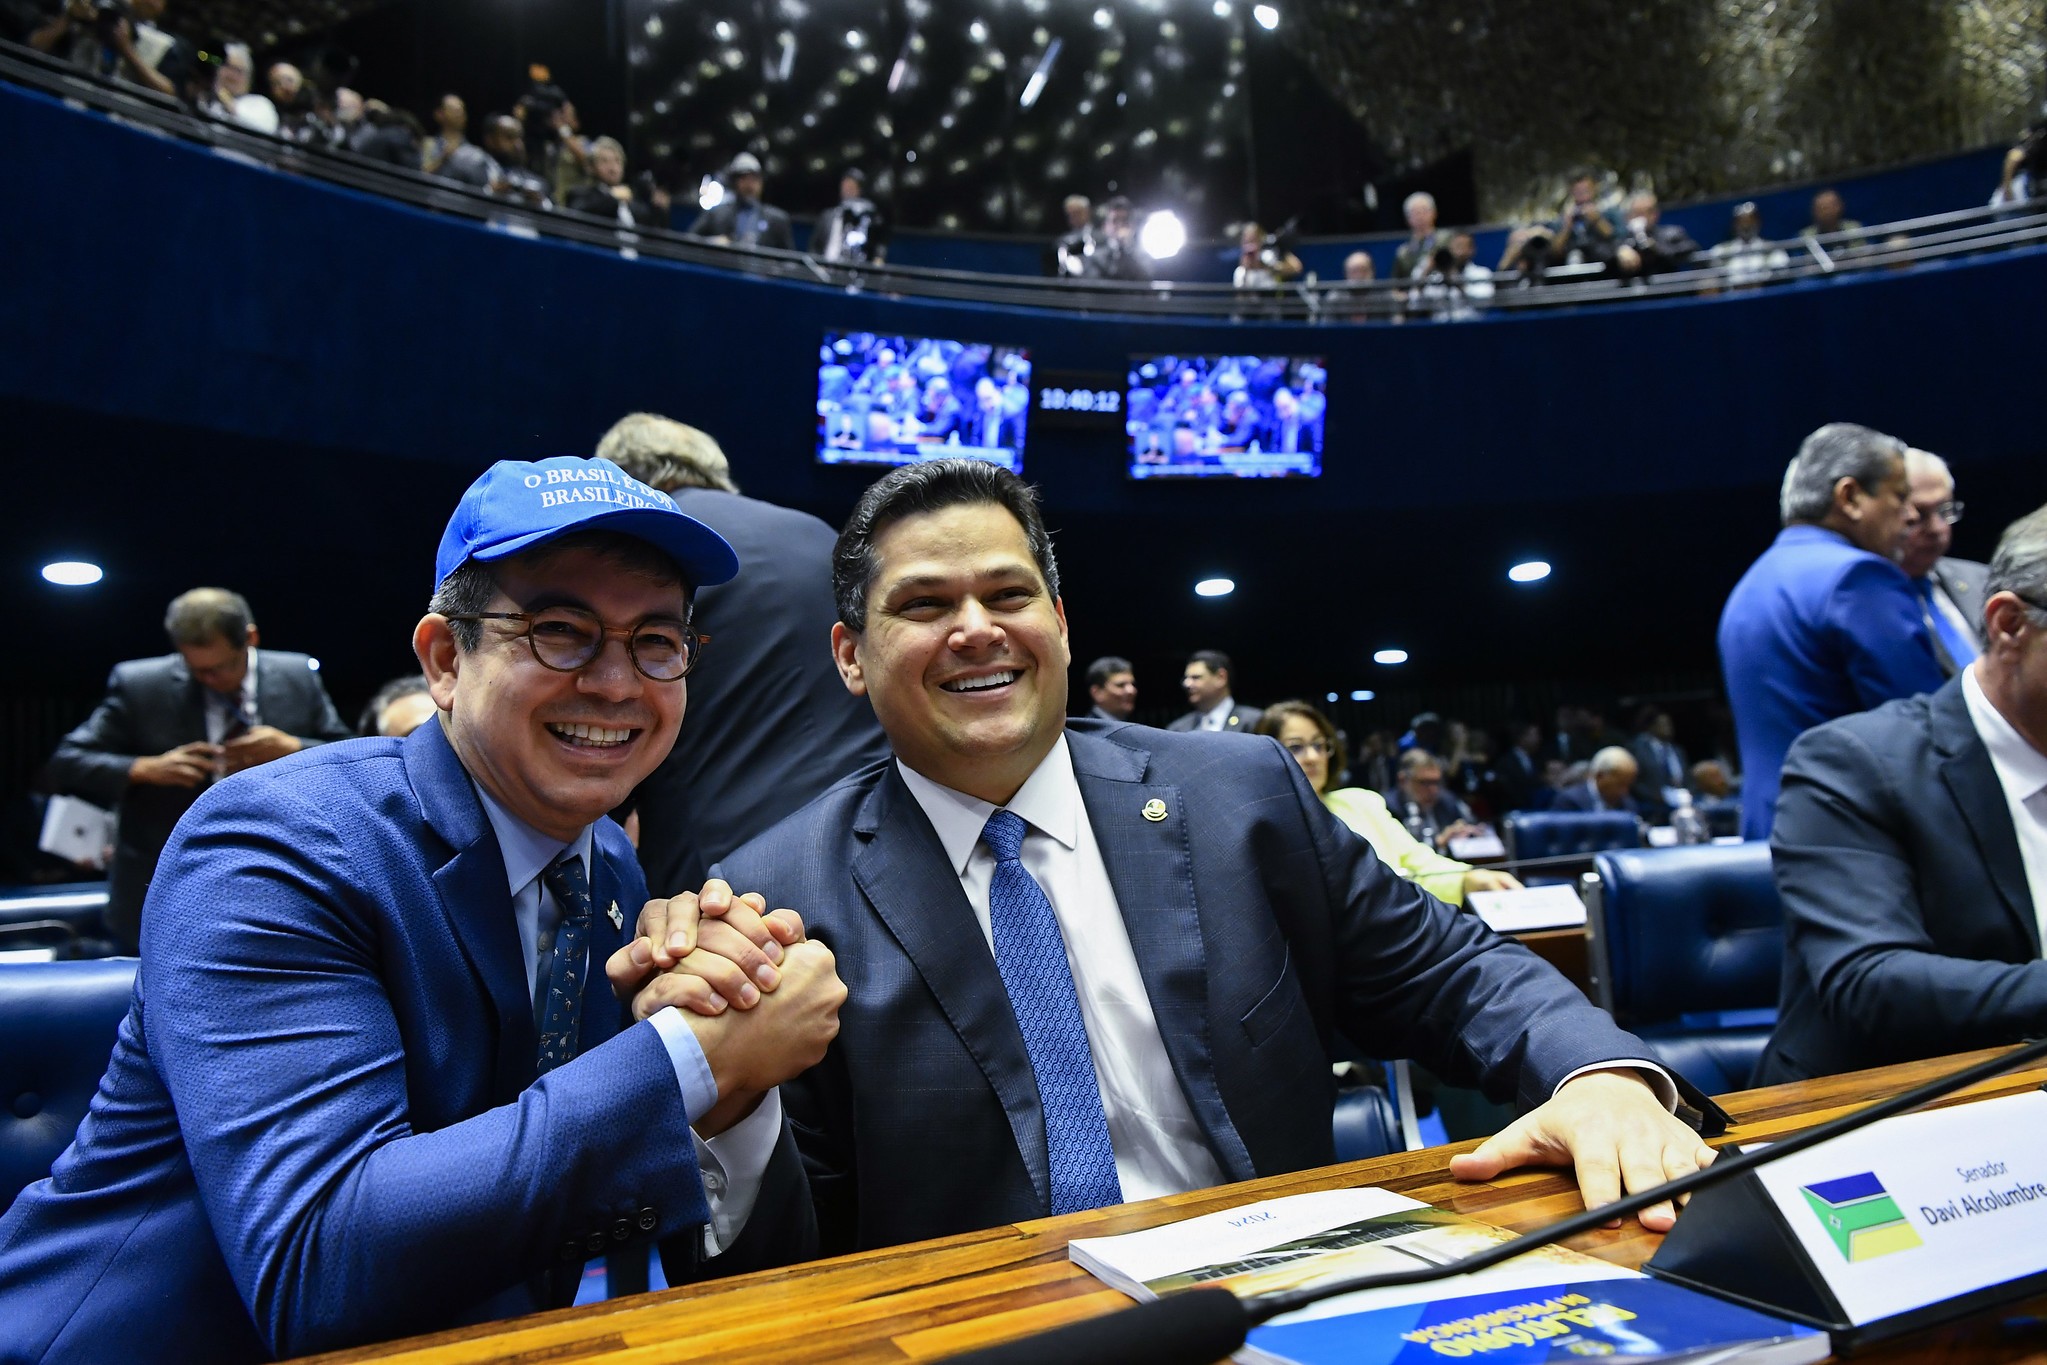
column 1911, row 854
column 169, row 726
column 1090, row 962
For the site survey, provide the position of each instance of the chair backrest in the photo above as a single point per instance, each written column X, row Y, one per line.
column 1366, row 1123
column 1690, row 930
column 57, row 1026
column 1551, row 833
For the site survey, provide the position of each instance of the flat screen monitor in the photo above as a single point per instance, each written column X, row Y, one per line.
column 890, row 399
column 1226, row 416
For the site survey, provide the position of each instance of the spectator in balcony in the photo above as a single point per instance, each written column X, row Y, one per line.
column 609, row 196
column 563, row 156
column 1827, row 217
column 742, row 218
column 298, row 107
column 1071, row 252
column 1745, row 256
column 346, row 119
column 1313, row 741
column 1606, row 785
column 1527, row 255
column 1414, row 255
column 128, row 47
column 1651, row 246
column 1262, row 262
column 231, row 100
column 505, row 141
column 451, row 117
column 1117, row 256
column 401, row 706
column 1950, row 591
column 853, row 229
column 1455, row 286
column 389, row 135
column 1585, row 234
column 1112, row 685
column 2022, row 169
column 1824, row 624
column 1358, row 302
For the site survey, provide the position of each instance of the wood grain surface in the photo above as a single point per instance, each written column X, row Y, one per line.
column 933, row 1299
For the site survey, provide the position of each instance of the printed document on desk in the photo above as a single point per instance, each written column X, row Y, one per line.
column 1535, row 907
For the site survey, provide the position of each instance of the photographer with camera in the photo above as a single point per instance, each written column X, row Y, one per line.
column 853, row 229
column 1265, row 262
column 1584, row 234
column 1455, row 285
column 118, row 39
column 742, row 218
column 1071, row 252
column 1651, row 246
column 1116, row 255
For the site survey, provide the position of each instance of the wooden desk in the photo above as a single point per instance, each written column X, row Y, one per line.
column 934, row 1299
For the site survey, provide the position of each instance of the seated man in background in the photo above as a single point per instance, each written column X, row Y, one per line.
column 400, row 706
column 1950, row 591
column 1824, row 624
column 171, row 725
column 1312, row 739
column 1090, row 963
column 1607, row 786
column 1420, row 802
column 363, row 1091
column 1911, row 855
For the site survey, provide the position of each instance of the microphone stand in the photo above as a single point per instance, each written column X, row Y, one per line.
column 1197, row 1326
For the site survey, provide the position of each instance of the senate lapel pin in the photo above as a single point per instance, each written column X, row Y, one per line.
column 1154, row 810
column 617, row 919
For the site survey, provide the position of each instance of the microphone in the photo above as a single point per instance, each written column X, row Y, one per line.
column 1198, row 1326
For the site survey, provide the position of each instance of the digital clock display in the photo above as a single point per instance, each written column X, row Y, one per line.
column 1080, row 400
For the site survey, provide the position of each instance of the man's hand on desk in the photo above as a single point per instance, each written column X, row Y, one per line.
column 1610, row 1126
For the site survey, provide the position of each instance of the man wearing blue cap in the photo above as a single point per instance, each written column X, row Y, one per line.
column 361, row 1091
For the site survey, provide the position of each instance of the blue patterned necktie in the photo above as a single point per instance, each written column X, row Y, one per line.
column 1959, row 649
column 561, row 1013
column 1031, row 956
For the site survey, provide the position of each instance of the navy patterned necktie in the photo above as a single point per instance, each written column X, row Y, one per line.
column 1031, row 956
column 561, row 1013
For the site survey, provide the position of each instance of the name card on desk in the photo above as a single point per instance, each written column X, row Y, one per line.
column 1471, row 847
column 1537, row 907
column 1910, row 1221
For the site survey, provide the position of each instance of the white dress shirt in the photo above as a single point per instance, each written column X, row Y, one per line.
column 731, row 1163
column 1217, row 717
column 1159, row 1145
column 2022, row 772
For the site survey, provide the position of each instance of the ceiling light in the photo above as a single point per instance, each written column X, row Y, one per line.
column 1266, row 15
column 1103, row 18
column 1363, row 694
column 1389, row 656
column 1215, row 587
column 76, row 573
column 1222, row 9
column 1162, row 235
column 1334, row 698
column 1533, row 571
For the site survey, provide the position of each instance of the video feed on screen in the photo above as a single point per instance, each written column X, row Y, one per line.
column 1226, row 416
column 885, row 399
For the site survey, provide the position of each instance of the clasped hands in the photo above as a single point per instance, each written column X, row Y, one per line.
column 762, row 1000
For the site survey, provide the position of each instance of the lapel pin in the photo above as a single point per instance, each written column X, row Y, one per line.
column 617, row 919
column 1154, row 810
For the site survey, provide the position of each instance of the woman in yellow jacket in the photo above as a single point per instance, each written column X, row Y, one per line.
column 1311, row 738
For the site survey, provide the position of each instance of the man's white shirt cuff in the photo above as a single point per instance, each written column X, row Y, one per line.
column 732, row 1164
column 1657, row 1078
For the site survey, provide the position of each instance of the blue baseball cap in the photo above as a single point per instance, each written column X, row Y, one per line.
column 517, row 505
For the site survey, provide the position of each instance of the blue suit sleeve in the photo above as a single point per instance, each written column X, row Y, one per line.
column 1852, row 915
column 268, row 1016
column 1883, row 638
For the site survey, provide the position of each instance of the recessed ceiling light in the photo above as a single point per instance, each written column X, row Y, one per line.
column 1215, row 587
column 1363, row 694
column 72, row 573
column 1389, row 656
column 1532, row 571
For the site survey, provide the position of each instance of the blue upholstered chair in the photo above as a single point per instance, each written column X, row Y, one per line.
column 1552, row 834
column 57, row 1026
column 1687, row 945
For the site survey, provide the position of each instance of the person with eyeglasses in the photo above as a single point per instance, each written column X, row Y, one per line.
column 1910, row 853
column 1950, row 591
column 366, row 1087
column 1315, row 744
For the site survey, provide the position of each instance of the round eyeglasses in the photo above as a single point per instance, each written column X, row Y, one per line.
column 566, row 639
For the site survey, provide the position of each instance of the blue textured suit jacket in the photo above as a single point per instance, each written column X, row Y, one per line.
column 1908, row 926
column 1815, row 629
column 1260, row 923
column 321, row 1125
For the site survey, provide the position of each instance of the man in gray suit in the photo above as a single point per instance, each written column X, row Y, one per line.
column 1090, row 962
column 1910, row 850
column 1950, row 591
column 770, row 726
column 170, row 726
column 1207, row 683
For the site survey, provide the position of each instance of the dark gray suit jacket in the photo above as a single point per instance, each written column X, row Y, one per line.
column 770, row 725
column 1261, row 926
column 1241, row 719
column 151, row 707
column 1909, row 929
column 1965, row 582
